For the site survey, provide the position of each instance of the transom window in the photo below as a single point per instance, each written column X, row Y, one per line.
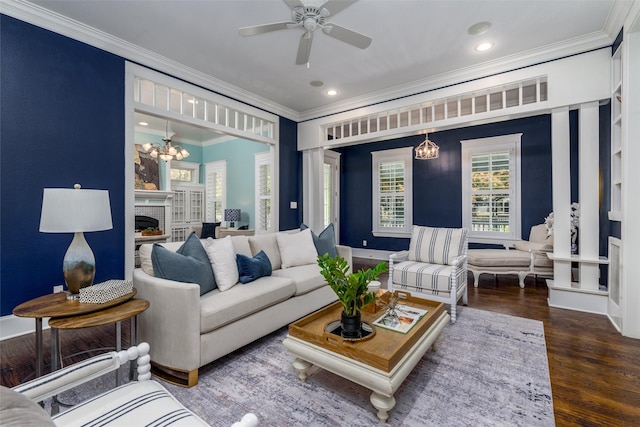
column 392, row 192
column 491, row 188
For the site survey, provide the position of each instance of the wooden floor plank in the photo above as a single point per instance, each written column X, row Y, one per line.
column 595, row 371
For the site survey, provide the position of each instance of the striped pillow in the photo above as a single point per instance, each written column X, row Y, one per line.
column 436, row 245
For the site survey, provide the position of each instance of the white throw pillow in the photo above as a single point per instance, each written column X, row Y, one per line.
column 268, row 244
column 223, row 262
column 297, row 249
column 241, row 245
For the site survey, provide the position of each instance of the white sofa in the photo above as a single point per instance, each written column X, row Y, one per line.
column 188, row 331
column 137, row 403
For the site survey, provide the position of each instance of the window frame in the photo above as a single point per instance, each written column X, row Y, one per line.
column 470, row 147
column 405, row 155
column 264, row 159
column 219, row 167
column 191, row 166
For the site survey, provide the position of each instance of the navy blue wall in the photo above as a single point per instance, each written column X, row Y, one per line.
column 290, row 175
column 62, row 122
column 437, row 184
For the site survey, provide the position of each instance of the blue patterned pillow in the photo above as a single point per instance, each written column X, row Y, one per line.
column 251, row 269
column 325, row 243
column 189, row 264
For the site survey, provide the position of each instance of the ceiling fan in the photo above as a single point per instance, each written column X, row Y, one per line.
column 309, row 18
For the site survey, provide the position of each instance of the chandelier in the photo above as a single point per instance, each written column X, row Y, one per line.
column 427, row 150
column 167, row 151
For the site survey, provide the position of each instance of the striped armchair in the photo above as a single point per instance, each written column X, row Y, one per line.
column 434, row 267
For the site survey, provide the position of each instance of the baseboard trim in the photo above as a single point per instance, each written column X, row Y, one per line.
column 13, row 326
column 371, row 253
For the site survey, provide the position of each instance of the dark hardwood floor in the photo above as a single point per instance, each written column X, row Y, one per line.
column 595, row 372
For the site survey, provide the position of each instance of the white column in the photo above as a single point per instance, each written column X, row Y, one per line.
column 589, row 235
column 561, row 173
column 313, row 186
column 630, row 284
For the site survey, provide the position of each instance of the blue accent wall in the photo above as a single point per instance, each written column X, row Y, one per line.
column 62, row 122
column 290, row 175
column 437, row 184
column 241, row 178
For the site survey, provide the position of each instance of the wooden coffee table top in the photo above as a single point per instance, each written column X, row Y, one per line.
column 57, row 305
column 384, row 350
column 116, row 313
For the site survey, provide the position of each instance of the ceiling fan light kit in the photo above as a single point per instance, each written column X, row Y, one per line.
column 310, row 18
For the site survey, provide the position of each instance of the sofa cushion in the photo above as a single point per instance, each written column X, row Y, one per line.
column 254, row 268
column 297, row 249
column 221, row 308
column 436, row 245
column 241, row 245
column 223, row 261
column 325, row 242
column 189, row 264
column 268, row 244
column 306, row 277
column 209, row 230
column 17, row 410
column 423, row 277
column 144, row 252
column 138, row 403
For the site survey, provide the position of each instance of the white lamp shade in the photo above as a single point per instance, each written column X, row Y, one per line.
column 66, row 210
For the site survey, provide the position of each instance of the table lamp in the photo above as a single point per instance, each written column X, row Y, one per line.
column 66, row 210
column 232, row 215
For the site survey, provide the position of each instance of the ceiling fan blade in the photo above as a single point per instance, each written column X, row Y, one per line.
column 304, row 49
column 346, row 35
column 335, row 6
column 294, row 3
column 260, row 29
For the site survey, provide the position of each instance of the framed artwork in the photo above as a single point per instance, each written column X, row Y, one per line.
column 147, row 170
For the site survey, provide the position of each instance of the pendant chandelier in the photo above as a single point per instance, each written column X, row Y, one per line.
column 167, row 151
column 427, row 150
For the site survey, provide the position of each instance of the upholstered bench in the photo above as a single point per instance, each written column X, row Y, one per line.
column 526, row 257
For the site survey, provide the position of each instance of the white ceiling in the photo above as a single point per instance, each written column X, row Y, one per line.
column 416, row 43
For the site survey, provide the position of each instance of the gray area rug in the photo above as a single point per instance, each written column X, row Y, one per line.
column 489, row 369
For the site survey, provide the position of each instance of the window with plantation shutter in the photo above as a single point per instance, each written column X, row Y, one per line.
column 264, row 217
column 392, row 192
column 216, row 189
column 491, row 188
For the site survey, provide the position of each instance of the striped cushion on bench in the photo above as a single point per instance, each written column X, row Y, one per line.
column 133, row 404
column 436, row 245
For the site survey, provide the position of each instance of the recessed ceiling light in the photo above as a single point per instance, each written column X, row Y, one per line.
column 316, row 83
column 143, row 123
column 484, row 46
column 332, row 92
column 479, row 28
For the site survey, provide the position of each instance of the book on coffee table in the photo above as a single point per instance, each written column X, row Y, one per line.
column 405, row 319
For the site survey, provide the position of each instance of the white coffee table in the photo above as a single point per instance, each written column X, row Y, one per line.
column 354, row 361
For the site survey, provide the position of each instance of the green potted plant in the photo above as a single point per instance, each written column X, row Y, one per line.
column 351, row 289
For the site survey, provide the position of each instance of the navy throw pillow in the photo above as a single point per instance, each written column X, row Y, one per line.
column 209, row 230
column 189, row 264
column 251, row 269
column 325, row 243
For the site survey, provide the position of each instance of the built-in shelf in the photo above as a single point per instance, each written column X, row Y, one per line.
column 578, row 259
column 616, row 136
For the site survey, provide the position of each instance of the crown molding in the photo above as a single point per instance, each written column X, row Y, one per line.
column 49, row 20
column 617, row 16
column 547, row 53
